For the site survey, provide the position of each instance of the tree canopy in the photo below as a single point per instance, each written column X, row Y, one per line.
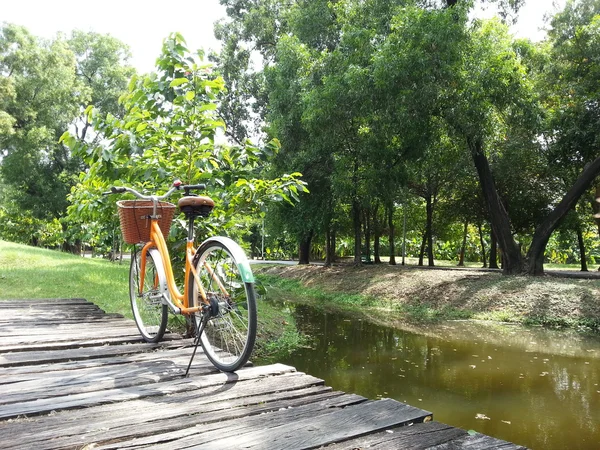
column 362, row 93
column 400, row 114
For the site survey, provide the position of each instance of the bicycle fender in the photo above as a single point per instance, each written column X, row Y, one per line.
column 236, row 252
column 160, row 270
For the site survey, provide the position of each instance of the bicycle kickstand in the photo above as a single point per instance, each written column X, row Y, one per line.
column 199, row 332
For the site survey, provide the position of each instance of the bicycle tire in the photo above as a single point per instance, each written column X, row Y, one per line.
column 229, row 336
column 149, row 311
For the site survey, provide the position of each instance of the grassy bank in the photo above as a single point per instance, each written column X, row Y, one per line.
column 29, row 272
column 396, row 294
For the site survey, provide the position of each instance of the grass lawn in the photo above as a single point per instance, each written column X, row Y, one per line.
column 376, row 291
column 29, row 272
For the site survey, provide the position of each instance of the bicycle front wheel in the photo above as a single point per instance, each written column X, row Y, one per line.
column 149, row 311
column 228, row 283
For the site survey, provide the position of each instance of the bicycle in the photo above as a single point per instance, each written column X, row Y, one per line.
column 218, row 292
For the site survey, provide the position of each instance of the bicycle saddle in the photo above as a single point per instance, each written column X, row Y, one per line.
column 196, row 205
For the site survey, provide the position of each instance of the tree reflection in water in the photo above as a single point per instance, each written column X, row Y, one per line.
column 535, row 387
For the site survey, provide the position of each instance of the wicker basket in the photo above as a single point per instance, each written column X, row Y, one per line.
column 135, row 224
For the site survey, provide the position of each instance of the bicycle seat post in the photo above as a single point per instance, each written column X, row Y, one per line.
column 190, row 229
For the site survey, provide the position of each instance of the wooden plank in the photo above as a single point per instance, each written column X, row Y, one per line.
column 54, row 356
column 11, row 303
column 102, row 378
column 16, row 312
column 119, row 339
column 216, row 425
column 346, row 423
column 180, row 411
column 126, row 336
column 57, row 319
column 73, row 376
column 16, row 315
column 172, row 352
column 75, row 329
column 180, row 402
column 478, row 442
column 206, row 423
column 32, row 342
column 419, row 435
column 87, row 399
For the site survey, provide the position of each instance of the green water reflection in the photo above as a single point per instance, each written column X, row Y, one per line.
column 538, row 388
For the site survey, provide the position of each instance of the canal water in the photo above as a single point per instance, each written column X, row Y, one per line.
column 531, row 386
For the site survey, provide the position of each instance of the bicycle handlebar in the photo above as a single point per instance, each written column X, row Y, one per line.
column 176, row 187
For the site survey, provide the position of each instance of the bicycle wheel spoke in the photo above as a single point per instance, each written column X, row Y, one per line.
column 149, row 312
column 230, row 332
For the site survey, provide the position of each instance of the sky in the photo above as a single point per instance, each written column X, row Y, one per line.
column 143, row 24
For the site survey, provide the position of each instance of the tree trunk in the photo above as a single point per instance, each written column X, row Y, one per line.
column 377, row 235
column 367, row 228
column 391, row 237
column 535, row 255
column 429, row 232
column 499, row 217
column 333, row 246
column 327, row 248
column 404, row 235
column 422, row 250
column 493, row 250
column 461, row 257
column 304, row 248
column 581, row 250
column 596, row 208
column 330, row 246
column 482, row 242
column 357, row 231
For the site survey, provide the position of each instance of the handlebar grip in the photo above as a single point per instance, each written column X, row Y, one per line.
column 115, row 190
column 199, row 187
column 189, row 187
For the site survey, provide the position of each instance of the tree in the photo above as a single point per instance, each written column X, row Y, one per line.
column 39, row 98
column 102, row 67
column 166, row 133
column 45, row 88
column 571, row 83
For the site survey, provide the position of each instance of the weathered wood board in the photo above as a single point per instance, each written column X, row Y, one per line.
column 73, row 377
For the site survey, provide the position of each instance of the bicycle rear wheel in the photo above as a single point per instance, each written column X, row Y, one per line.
column 149, row 312
column 230, row 332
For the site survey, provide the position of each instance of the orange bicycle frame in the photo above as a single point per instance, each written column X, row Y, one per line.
column 180, row 300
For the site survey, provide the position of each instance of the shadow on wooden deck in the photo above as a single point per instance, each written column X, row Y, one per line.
column 74, row 377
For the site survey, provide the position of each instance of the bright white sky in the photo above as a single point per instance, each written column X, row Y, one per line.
column 143, row 24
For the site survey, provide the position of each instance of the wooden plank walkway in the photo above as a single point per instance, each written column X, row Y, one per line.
column 72, row 376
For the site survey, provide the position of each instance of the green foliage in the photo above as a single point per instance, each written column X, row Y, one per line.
column 44, row 88
column 39, row 98
column 167, row 132
column 571, row 78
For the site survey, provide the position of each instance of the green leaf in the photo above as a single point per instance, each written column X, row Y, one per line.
column 64, row 136
column 141, row 127
column 178, row 82
column 208, row 107
column 189, row 95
